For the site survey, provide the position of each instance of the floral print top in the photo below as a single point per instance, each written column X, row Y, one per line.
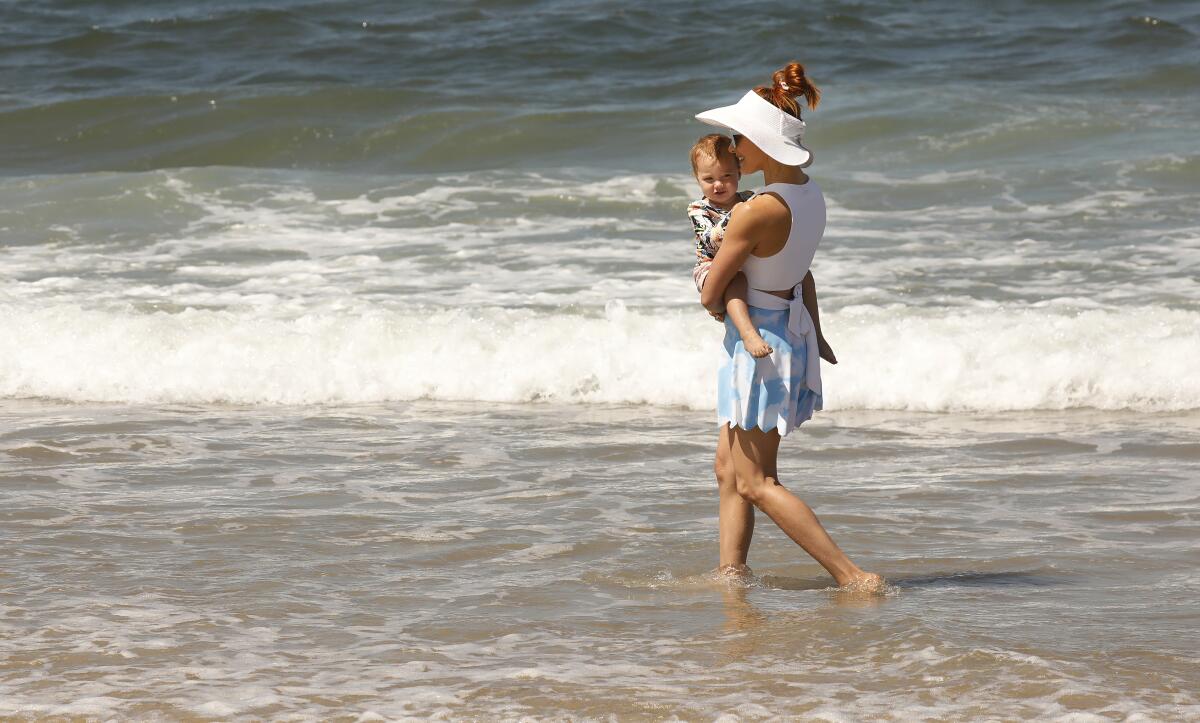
column 708, row 223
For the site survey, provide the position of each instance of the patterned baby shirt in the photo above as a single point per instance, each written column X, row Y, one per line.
column 708, row 223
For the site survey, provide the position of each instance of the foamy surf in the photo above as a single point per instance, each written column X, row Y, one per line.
column 991, row 358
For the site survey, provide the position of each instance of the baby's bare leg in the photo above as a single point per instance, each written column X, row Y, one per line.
column 739, row 313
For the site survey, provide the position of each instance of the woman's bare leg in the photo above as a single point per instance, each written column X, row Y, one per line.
column 754, row 460
column 736, row 515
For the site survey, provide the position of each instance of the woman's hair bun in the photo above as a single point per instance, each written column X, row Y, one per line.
column 787, row 84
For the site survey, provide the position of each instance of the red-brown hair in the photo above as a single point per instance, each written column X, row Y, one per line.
column 714, row 146
column 788, row 84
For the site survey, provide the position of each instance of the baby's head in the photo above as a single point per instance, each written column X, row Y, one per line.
column 716, row 169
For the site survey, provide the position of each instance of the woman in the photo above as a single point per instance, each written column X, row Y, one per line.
column 772, row 239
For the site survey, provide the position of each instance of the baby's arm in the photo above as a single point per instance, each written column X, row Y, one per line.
column 808, row 290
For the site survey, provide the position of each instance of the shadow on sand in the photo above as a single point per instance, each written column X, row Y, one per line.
column 1013, row 578
column 1008, row 578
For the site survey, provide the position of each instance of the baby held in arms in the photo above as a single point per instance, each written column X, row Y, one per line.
column 717, row 172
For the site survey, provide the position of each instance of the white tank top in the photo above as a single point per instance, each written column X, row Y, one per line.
column 787, row 267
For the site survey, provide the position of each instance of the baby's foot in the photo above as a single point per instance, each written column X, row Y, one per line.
column 755, row 344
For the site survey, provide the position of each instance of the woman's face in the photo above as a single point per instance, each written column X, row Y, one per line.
column 749, row 156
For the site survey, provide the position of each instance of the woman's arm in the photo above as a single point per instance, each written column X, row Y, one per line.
column 808, row 290
column 750, row 223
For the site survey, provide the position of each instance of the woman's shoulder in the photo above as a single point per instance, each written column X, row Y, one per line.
column 760, row 217
column 764, row 204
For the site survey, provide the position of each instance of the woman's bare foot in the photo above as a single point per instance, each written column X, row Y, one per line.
column 736, row 575
column 735, row 570
column 866, row 582
column 755, row 344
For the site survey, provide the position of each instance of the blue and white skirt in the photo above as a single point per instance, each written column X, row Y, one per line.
column 768, row 393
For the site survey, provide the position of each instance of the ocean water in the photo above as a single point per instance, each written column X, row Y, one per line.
column 351, row 367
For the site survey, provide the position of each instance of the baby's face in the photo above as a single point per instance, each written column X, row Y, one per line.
column 718, row 180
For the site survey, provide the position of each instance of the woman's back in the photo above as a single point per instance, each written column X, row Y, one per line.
column 786, row 268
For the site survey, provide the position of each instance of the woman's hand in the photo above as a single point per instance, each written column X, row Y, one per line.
column 718, row 315
column 826, row 351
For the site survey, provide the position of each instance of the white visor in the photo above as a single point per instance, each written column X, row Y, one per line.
column 777, row 133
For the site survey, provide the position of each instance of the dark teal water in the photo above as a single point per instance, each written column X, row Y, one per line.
column 220, row 186
column 465, row 85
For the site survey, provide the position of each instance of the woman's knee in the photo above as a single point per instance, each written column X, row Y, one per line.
column 723, row 470
column 752, row 488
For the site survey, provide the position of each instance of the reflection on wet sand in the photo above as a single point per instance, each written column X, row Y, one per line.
column 747, row 626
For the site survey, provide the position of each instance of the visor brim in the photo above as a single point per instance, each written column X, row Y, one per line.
column 733, row 118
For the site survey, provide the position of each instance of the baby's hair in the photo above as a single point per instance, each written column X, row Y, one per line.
column 789, row 83
column 714, row 146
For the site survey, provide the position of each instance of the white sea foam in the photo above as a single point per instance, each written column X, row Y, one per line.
column 987, row 358
column 237, row 239
column 491, row 286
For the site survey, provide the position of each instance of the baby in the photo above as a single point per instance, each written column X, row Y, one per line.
column 717, row 172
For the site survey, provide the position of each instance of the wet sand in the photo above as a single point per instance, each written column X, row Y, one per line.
column 497, row 561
